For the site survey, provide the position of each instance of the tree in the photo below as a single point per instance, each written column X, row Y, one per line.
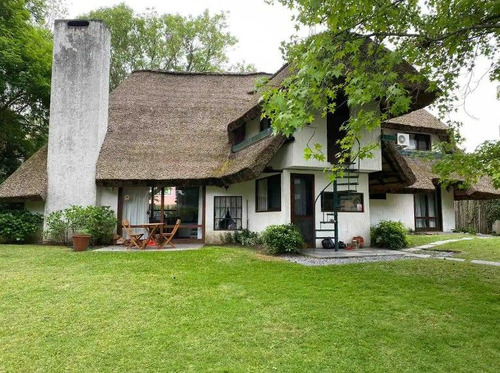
column 164, row 41
column 25, row 68
column 361, row 53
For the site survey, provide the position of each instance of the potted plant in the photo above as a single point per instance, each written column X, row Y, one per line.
column 81, row 241
column 77, row 220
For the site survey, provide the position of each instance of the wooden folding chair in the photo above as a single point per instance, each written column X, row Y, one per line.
column 134, row 239
column 168, row 236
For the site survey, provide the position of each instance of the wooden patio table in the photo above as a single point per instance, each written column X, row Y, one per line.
column 151, row 228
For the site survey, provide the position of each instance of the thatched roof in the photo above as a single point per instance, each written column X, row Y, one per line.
column 426, row 180
column 417, row 121
column 395, row 173
column 29, row 181
column 483, row 189
column 421, row 167
column 172, row 129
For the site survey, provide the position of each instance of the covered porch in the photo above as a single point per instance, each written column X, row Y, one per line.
column 158, row 208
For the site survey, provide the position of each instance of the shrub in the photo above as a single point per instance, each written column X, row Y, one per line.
column 389, row 234
column 244, row 237
column 97, row 221
column 100, row 224
column 227, row 238
column 468, row 230
column 279, row 239
column 19, row 226
column 57, row 227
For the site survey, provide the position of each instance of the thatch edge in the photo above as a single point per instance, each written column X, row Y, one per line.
column 408, row 177
column 30, row 176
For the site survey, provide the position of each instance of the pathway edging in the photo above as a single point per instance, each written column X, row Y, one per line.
column 411, row 252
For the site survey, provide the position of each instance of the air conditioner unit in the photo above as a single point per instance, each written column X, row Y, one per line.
column 403, row 139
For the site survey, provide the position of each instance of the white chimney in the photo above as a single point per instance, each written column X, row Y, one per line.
column 78, row 111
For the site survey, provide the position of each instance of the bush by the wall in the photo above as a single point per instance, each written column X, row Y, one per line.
column 279, row 239
column 19, row 226
column 243, row 237
column 468, row 230
column 57, row 227
column 390, row 235
column 246, row 237
column 97, row 221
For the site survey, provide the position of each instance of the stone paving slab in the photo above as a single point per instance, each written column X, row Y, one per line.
column 437, row 243
column 497, row 264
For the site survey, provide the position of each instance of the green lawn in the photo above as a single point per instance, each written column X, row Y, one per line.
column 424, row 239
column 231, row 310
column 477, row 248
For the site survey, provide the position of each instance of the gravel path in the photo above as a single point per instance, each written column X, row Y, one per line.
column 308, row 261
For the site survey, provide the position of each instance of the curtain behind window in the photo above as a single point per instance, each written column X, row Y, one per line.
column 262, row 195
column 135, row 206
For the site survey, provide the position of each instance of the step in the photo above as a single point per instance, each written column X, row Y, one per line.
column 341, row 184
column 348, row 191
column 348, row 175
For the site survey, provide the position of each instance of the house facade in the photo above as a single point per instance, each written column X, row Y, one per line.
column 193, row 146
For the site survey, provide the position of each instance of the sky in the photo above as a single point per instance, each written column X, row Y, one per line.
column 260, row 29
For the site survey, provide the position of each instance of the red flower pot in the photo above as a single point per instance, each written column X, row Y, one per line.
column 81, row 241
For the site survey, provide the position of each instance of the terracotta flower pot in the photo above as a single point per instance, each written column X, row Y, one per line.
column 81, row 241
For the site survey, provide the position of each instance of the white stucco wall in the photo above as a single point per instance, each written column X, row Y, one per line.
column 350, row 223
column 397, row 207
column 252, row 220
column 78, row 113
column 108, row 197
column 292, row 155
column 252, row 127
column 400, row 207
column 448, row 209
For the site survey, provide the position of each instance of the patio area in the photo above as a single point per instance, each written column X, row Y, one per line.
column 178, row 247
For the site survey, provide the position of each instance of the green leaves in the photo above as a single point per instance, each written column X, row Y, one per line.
column 19, row 226
column 165, row 41
column 97, row 221
column 25, row 69
column 367, row 51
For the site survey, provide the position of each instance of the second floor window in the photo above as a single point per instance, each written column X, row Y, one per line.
column 265, row 123
column 420, row 142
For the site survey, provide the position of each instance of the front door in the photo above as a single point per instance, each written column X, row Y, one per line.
column 302, row 203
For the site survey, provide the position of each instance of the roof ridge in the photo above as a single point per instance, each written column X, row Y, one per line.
column 206, row 73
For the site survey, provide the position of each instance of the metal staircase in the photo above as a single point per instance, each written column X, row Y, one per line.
column 346, row 181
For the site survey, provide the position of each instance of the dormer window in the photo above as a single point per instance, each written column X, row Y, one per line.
column 420, row 141
column 265, row 123
column 239, row 134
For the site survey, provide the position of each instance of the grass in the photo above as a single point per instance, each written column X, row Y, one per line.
column 424, row 239
column 477, row 248
column 231, row 310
